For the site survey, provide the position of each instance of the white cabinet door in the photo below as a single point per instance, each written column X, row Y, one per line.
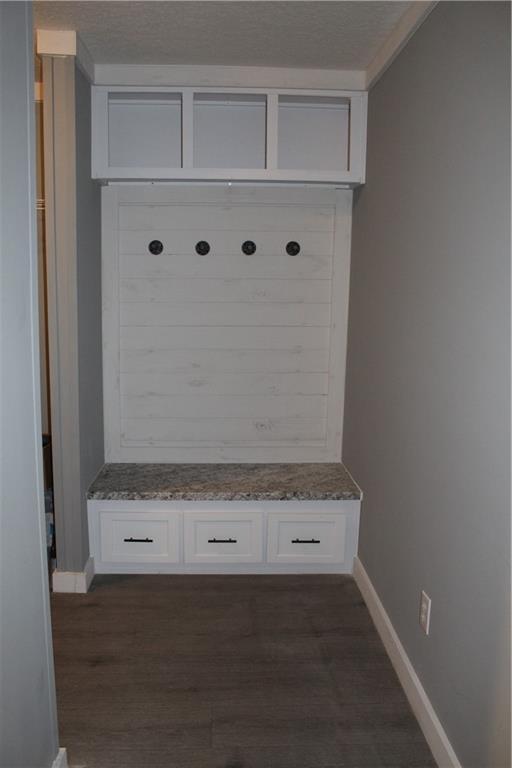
column 224, row 537
column 148, row 536
column 306, row 537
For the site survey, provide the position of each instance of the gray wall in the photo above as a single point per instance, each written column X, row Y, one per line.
column 88, row 234
column 43, row 321
column 73, row 250
column 28, row 728
column 427, row 404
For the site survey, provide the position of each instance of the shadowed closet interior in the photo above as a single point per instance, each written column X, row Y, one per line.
column 273, row 291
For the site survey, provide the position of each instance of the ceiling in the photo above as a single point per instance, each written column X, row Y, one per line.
column 310, row 35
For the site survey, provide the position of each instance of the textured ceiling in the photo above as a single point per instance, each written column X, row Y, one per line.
column 330, row 35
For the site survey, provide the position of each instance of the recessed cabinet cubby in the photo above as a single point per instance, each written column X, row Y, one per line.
column 206, row 134
column 144, row 130
column 313, row 133
column 229, row 130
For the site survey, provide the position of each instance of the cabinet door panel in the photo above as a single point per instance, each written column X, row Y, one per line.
column 306, row 538
column 224, row 537
column 139, row 537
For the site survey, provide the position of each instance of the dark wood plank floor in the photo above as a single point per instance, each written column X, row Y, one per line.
column 228, row 672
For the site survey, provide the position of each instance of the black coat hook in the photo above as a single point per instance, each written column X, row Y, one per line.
column 292, row 248
column 155, row 247
column 249, row 247
column 202, row 248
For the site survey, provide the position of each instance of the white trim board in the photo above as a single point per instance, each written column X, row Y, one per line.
column 61, row 761
column 224, row 76
column 430, row 724
column 74, row 582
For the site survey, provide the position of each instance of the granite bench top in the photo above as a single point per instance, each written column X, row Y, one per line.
column 223, row 482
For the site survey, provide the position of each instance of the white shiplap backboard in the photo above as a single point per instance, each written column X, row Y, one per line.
column 226, row 356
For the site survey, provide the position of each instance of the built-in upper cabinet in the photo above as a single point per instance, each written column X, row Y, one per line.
column 205, row 134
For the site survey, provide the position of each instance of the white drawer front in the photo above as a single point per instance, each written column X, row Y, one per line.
column 224, row 537
column 139, row 537
column 306, row 538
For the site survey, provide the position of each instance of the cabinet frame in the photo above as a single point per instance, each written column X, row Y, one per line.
column 353, row 176
column 251, row 509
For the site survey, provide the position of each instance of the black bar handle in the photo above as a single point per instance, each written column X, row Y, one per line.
column 131, row 540
column 305, row 541
column 221, row 541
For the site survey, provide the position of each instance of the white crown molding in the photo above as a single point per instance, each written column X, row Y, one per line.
column 228, row 77
column 397, row 39
column 54, row 42
column 434, row 733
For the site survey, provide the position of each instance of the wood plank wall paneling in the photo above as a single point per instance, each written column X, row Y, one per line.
column 224, row 266
column 288, row 360
column 227, row 290
column 207, row 430
column 224, row 349
column 235, row 406
column 226, row 217
column 225, row 384
column 228, row 338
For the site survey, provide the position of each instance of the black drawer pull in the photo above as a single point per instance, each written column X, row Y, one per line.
column 131, row 540
column 221, row 541
column 305, row 541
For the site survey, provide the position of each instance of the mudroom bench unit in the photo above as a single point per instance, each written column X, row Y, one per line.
column 223, row 518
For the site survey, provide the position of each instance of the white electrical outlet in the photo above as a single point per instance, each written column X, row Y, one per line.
column 425, row 606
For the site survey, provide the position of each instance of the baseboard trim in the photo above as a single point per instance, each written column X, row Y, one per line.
column 74, row 581
column 61, row 761
column 434, row 733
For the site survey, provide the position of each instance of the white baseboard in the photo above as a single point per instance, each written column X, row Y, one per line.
column 433, row 731
column 74, row 581
column 61, row 761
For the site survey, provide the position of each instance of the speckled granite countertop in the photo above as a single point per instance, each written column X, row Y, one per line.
column 217, row 482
